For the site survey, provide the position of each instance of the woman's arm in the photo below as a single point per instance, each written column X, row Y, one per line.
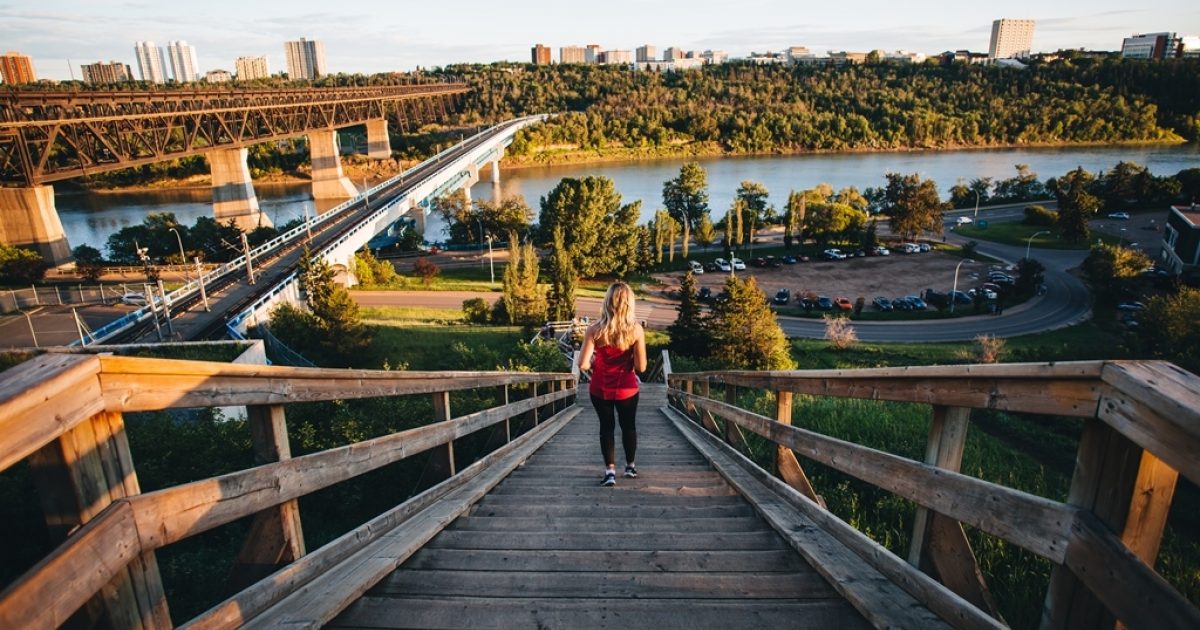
column 639, row 350
column 585, row 353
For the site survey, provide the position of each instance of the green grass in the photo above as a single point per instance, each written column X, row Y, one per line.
column 414, row 315
column 1016, row 233
column 440, row 347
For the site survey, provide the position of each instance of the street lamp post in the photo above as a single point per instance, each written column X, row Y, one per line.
column 479, row 224
column 954, row 291
column 491, row 260
column 182, row 256
column 976, row 204
column 1029, row 243
column 31, row 331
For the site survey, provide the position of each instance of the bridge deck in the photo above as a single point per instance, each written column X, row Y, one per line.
column 548, row 547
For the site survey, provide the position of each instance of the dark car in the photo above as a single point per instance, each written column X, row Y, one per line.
column 901, row 304
column 824, row 303
column 783, row 296
column 723, row 296
column 710, row 266
column 773, row 262
column 789, row 260
column 882, row 304
column 961, row 298
column 758, row 262
column 705, row 294
column 859, row 253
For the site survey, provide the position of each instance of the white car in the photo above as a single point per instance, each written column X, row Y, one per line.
column 963, row 220
column 833, row 254
column 723, row 265
column 738, row 264
column 910, row 248
column 696, row 267
column 132, row 299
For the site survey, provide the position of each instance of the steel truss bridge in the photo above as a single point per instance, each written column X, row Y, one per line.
column 53, row 136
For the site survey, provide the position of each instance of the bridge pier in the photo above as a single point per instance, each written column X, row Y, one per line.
column 233, row 190
column 496, row 171
column 379, row 144
column 29, row 219
column 328, row 180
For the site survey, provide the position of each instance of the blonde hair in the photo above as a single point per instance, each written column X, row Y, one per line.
column 617, row 325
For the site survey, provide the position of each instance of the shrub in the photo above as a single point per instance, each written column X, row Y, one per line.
column 427, row 269
column 969, row 249
column 840, row 333
column 477, row 310
column 1040, row 216
column 21, row 266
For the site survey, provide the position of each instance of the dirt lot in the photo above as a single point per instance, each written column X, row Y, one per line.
column 892, row 276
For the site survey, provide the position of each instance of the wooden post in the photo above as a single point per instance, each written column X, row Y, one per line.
column 939, row 545
column 534, row 412
column 276, row 537
column 706, row 416
column 786, row 464
column 1130, row 491
column 689, row 407
column 733, row 433
column 507, row 419
column 77, row 476
column 441, row 461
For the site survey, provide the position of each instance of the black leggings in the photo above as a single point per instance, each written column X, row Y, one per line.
column 626, row 410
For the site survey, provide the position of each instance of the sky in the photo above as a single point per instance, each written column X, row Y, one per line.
column 371, row 36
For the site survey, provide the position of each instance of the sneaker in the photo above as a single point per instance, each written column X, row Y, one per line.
column 610, row 479
column 630, row 472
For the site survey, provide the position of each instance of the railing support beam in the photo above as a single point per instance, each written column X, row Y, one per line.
column 441, row 461
column 786, row 464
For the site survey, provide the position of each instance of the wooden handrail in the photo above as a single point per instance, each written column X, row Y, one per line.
column 1151, row 404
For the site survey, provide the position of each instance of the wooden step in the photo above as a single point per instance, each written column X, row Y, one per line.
column 615, row 524
column 653, row 541
column 563, row 510
column 746, row 561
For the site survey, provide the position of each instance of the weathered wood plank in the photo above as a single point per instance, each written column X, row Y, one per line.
column 43, row 398
column 564, row 510
column 172, row 514
column 1154, row 405
column 879, row 598
column 320, row 600
column 1033, row 523
column 554, row 560
column 600, row 584
column 619, row 614
column 626, row 524
column 627, row 541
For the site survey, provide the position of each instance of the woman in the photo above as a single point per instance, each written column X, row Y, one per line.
column 614, row 348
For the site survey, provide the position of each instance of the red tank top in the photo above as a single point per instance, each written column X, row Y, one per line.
column 613, row 377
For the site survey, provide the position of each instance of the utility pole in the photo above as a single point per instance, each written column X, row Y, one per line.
column 149, row 293
column 31, row 331
column 246, row 253
column 200, row 281
column 162, row 292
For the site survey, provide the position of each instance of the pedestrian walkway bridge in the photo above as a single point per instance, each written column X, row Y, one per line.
column 523, row 536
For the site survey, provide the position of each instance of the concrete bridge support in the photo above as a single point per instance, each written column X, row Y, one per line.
column 328, row 180
column 379, row 145
column 233, row 190
column 29, row 219
column 496, row 171
column 417, row 212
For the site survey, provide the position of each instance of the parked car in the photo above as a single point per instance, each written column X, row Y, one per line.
column 704, row 294
column 696, row 267
column 961, row 298
column 909, row 248
column 902, row 304
column 1120, row 216
column 824, row 303
column 783, row 296
column 882, row 304
column 710, row 266
column 723, row 296
column 843, row 304
column 723, row 265
column 988, row 294
column 789, row 260
column 917, row 303
column 758, row 262
column 133, row 299
column 833, row 254
column 880, row 250
column 923, row 247
column 738, row 264
column 1131, row 306
column 963, row 221
column 773, row 262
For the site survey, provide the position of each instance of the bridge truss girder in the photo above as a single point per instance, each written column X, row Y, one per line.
column 47, row 137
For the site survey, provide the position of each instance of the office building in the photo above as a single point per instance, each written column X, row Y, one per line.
column 540, row 55
column 572, row 54
column 151, row 64
column 714, row 56
column 1151, row 46
column 250, row 68
column 305, row 59
column 1011, row 38
column 217, row 76
column 16, row 68
column 591, row 53
column 673, row 53
column 615, row 57
column 1189, row 47
column 183, row 61
column 111, row 72
column 647, row 53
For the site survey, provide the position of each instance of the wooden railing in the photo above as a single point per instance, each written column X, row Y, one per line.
column 1141, row 429
column 64, row 413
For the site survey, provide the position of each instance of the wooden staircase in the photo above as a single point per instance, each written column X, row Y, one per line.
column 550, row 548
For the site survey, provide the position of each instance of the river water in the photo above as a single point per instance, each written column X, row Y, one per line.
column 89, row 218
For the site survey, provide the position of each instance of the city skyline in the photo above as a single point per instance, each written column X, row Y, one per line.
column 84, row 32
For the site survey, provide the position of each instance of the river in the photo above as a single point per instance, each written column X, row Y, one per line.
column 89, row 218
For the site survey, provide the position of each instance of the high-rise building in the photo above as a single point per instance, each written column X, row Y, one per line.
column 151, row 63
column 250, row 68
column 1011, row 38
column 1151, row 46
column 673, row 53
column 572, row 54
column 16, row 68
column 618, row 56
column 305, row 59
column 183, row 61
column 591, row 53
column 217, row 76
column 111, row 72
column 647, row 53
column 540, row 55
column 714, row 56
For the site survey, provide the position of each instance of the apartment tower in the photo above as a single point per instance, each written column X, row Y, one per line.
column 305, row 59
column 112, row 72
column 540, row 55
column 647, row 53
column 151, row 63
column 1011, row 38
column 571, row 54
column 183, row 61
column 250, row 68
column 16, row 68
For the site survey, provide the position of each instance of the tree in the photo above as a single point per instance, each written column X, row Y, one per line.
column 334, row 333
column 705, row 234
column 511, row 214
column 689, row 332
column 794, row 218
column 1170, row 330
column 21, row 266
column 523, row 300
column 686, row 199
column 745, row 331
column 563, row 280
column 913, row 205
column 1076, row 206
column 427, row 269
column 88, row 262
column 1113, row 270
column 834, row 221
column 1030, row 275
column 459, row 215
column 753, row 196
column 594, row 223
